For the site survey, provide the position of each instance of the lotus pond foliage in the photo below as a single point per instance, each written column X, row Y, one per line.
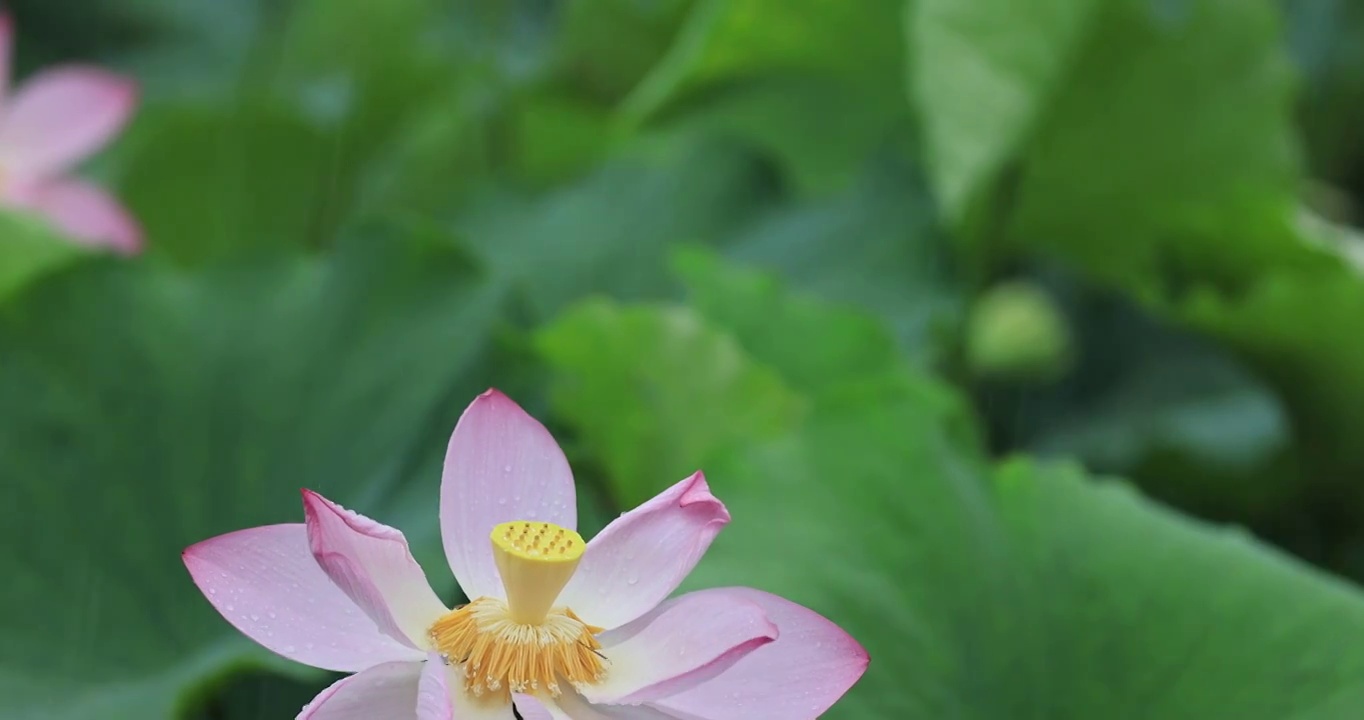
column 1018, row 343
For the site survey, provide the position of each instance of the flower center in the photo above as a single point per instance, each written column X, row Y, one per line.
column 524, row 644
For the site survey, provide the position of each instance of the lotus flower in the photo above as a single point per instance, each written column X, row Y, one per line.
column 559, row 627
column 56, row 119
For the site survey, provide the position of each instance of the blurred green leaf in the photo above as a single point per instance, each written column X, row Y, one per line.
column 607, row 46
column 875, row 245
column 368, row 31
column 813, row 85
column 858, row 44
column 971, row 585
column 1327, row 40
column 332, row 116
column 1152, row 390
column 208, row 183
column 1205, row 230
column 1148, row 137
column 822, row 349
column 145, row 410
column 1170, row 618
column 557, row 138
column 1296, row 328
column 611, row 232
column 699, row 383
column 900, row 535
column 257, row 695
column 30, row 250
column 362, row 70
column 819, row 131
column 884, row 527
column 442, row 154
column 1147, row 145
column 180, row 46
column 982, row 73
column 816, row 347
column 1176, row 414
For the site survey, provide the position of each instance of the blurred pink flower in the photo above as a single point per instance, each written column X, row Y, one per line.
column 56, row 119
column 562, row 628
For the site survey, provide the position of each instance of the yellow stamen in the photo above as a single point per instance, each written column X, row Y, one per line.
column 502, row 656
column 536, row 561
column 524, row 644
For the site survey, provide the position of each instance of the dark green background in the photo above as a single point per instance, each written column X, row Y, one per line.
column 913, row 282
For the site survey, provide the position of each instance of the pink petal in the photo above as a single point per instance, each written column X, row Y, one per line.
column 531, row 708
column 443, row 697
column 433, row 692
column 643, row 555
column 265, row 582
column 501, row 466
column 573, row 706
column 680, row 644
column 371, row 563
column 85, row 212
column 798, row 677
column 60, row 116
column 383, row 691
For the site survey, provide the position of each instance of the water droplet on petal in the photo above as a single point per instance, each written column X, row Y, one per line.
column 506, row 468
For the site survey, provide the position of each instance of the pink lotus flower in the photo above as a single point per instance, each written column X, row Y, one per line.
column 56, row 119
column 561, row 627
